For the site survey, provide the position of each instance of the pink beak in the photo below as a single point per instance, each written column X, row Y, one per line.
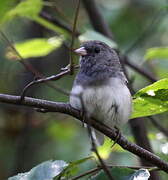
column 81, row 51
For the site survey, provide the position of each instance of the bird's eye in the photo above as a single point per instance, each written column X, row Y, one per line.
column 97, row 49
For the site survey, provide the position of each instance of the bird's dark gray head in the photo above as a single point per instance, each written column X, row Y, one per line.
column 94, row 49
column 98, row 60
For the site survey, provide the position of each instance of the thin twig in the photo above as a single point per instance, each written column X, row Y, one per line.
column 38, row 81
column 73, row 38
column 99, row 168
column 87, row 173
column 27, row 65
column 158, row 126
column 64, row 72
column 59, row 10
column 57, row 22
column 98, row 21
column 139, row 70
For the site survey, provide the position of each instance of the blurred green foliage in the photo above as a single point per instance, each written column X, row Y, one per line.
column 29, row 138
column 36, row 47
column 157, row 53
column 28, row 8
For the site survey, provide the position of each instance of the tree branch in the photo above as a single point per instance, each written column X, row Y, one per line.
column 67, row 109
column 99, row 168
column 45, row 79
column 159, row 126
column 71, row 61
column 57, row 22
column 98, row 23
column 139, row 70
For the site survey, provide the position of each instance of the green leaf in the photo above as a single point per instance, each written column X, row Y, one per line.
column 31, row 9
column 27, row 8
column 124, row 173
column 157, row 53
column 93, row 35
column 151, row 100
column 50, row 26
column 117, row 172
column 80, row 161
column 36, row 47
column 44, row 171
column 73, row 167
column 105, row 150
column 5, row 6
column 142, row 174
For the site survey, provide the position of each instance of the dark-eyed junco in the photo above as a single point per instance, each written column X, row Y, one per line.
column 101, row 86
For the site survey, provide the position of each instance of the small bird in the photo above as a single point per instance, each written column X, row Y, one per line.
column 101, row 86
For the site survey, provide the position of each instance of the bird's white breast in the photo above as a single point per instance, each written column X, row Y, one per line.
column 110, row 103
